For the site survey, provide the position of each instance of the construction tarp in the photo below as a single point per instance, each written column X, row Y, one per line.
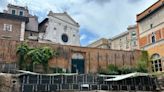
column 53, row 74
column 125, row 76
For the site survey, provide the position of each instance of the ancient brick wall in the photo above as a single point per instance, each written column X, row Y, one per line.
column 94, row 58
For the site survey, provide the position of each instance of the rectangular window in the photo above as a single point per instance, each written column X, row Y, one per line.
column 21, row 13
column 7, row 27
column 156, row 65
column 153, row 39
column 13, row 12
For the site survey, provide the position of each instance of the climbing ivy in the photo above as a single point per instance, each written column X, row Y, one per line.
column 143, row 61
column 28, row 57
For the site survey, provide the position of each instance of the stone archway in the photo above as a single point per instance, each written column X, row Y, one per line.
column 77, row 63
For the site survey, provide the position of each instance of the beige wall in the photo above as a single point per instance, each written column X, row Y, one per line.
column 121, row 42
column 146, row 31
column 133, row 37
column 17, row 10
column 32, row 25
column 155, row 19
column 101, row 43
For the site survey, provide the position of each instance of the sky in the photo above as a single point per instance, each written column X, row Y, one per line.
column 97, row 18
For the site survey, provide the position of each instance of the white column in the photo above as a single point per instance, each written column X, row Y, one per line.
column 22, row 31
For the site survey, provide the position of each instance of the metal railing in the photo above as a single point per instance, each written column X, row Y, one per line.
column 8, row 67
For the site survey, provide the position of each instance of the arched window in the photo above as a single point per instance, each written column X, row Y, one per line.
column 156, row 63
column 155, row 56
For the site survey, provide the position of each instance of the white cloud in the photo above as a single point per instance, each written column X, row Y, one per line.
column 83, row 36
column 104, row 19
column 109, row 19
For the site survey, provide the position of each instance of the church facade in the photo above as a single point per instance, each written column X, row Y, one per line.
column 59, row 28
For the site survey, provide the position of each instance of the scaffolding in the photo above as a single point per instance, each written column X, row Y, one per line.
column 33, row 82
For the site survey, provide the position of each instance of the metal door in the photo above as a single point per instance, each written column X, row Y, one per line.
column 78, row 66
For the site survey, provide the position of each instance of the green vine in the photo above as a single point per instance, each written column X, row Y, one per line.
column 29, row 57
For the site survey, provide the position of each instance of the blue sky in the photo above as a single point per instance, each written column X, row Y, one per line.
column 97, row 18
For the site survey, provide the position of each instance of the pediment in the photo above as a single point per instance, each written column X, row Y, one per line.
column 66, row 18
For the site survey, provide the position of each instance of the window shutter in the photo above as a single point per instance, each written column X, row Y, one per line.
column 10, row 28
column 4, row 27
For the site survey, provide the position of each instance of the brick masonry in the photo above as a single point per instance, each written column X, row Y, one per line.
column 16, row 27
column 94, row 58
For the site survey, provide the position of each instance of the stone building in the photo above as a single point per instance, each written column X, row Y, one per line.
column 101, row 43
column 12, row 27
column 127, row 40
column 59, row 28
column 121, row 41
column 31, row 27
column 133, row 37
column 32, row 31
column 150, row 25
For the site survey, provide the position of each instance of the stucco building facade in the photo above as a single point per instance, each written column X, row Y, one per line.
column 121, row 41
column 59, row 28
column 133, row 37
column 127, row 40
column 101, row 43
column 150, row 25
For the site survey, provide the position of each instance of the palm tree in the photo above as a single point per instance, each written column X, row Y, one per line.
column 22, row 51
